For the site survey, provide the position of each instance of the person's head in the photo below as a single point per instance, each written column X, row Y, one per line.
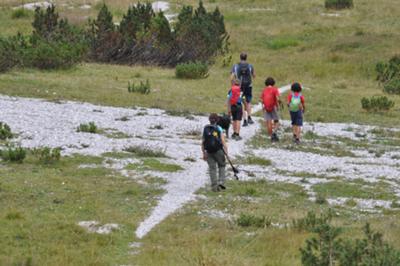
column 213, row 118
column 236, row 82
column 269, row 82
column 296, row 87
column 243, row 56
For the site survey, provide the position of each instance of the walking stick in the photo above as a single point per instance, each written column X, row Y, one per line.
column 234, row 169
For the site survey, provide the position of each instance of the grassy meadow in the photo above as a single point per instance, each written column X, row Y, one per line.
column 333, row 55
column 290, row 41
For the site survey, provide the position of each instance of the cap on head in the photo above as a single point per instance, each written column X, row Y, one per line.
column 296, row 87
column 213, row 118
column 243, row 56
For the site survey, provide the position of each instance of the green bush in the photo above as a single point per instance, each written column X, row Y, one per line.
column 48, row 155
column 338, row 4
column 143, row 88
column 196, row 70
column 388, row 71
column 326, row 248
column 13, row 154
column 143, row 151
column 52, row 55
column 377, row 103
column 5, row 131
column 247, row 220
column 392, row 86
column 89, row 128
column 20, row 13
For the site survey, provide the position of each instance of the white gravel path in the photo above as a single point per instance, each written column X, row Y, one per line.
column 43, row 123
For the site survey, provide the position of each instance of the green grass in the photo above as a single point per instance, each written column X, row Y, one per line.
column 335, row 57
column 381, row 191
column 154, row 165
column 41, row 206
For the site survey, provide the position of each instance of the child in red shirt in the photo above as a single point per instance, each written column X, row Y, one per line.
column 270, row 101
column 296, row 104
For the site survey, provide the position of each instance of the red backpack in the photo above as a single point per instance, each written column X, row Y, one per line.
column 235, row 95
column 269, row 99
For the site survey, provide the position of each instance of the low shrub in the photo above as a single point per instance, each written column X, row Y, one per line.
column 143, row 151
column 338, row 4
column 5, row 131
column 377, row 103
column 88, row 128
column 392, row 86
column 48, row 155
column 388, row 71
column 196, row 70
column 21, row 13
column 143, row 88
column 52, row 55
column 247, row 220
column 13, row 154
column 326, row 248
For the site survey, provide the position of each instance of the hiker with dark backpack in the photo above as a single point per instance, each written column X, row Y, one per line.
column 235, row 108
column 297, row 107
column 270, row 101
column 244, row 72
column 214, row 150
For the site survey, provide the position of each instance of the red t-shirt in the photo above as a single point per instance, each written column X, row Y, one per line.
column 289, row 98
column 269, row 98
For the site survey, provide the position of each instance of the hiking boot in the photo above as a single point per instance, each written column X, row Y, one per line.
column 238, row 137
column 233, row 135
column 251, row 120
column 245, row 124
column 275, row 137
column 297, row 141
column 222, row 187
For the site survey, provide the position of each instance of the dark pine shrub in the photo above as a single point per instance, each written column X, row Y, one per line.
column 11, row 50
column 376, row 103
column 52, row 55
column 196, row 70
column 13, row 154
column 5, row 131
column 338, row 4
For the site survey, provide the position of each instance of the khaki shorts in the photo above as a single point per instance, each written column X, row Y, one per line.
column 271, row 115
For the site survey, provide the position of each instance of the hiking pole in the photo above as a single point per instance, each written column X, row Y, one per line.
column 234, row 169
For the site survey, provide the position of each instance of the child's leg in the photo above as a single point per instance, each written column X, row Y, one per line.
column 269, row 127
column 275, row 125
column 298, row 131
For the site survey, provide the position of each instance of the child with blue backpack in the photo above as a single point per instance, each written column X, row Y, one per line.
column 296, row 104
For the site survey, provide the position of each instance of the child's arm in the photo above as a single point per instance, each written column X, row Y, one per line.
column 302, row 103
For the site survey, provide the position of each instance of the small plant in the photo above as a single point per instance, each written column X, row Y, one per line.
column 388, row 71
column 20, row 13
column 392, row 86
column 377, row 103
column 5, row 131
column 196, row 70
column 47, row 155
column 320, row 200
column 338, row 4
column 247, row 220
column 143, row 88
column 13, row 154
column 89, row 128
column 142, row 151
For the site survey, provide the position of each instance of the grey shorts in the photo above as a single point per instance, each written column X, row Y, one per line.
column 271, row 115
